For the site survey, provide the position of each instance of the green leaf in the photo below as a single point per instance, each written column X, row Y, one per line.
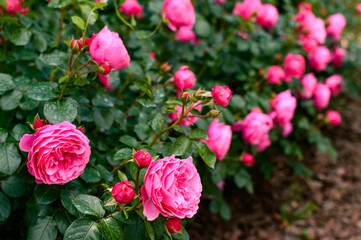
column 225, row 211
column 208, row 156
column 19, row 130
column 103, row 118
column 11, row 100
column 157, row 122
column 41, row 43
column 57, row 112
column 91, row 175
column 134, row 228
column 5, row 207
column 111, row 229
column 3, row 135
column 53, row 58
column 150, row 230
column 6, row 83
column 59, row 3
column 202, row 28
column 46, row 194
column 181, row 146
column 13, row 186
column 20, row 37
column 44, row 228
column 88, row 204
column 42, row 91
column 122, row 176
column 124, row 153
column 99, row 5
column 23, row 83
column 9, row 159
column 78, row 21
column 63, row 220
column 174, row 101
column 129, row 141
column 198, row 134
column 83, row 229
column 68, row 205
column 181, row 235
column 241, row 178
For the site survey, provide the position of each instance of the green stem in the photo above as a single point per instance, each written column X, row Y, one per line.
column 120, row 165
column 137, row 181
column 120, row 16
column 86, row 72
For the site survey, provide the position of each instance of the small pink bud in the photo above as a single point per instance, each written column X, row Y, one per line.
column 186, row 96
column 174, row 225
column 333, row 117
column 105, row 69
column 221, row 95
column 123, row 192
column 143, row 158
column 81, row 130
column 76, row 45
column 165, row 67
column 152, row 54
column 39, row 123
column 248, row 159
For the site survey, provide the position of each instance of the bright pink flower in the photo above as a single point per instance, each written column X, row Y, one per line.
column 172, row 187
column 337, row 56
column 284, row 105
column 287, row 129
column 308, row 44
column 321, row 96
column 221, row 95
column 256, row 126
column 275, row 74
column 336, row 24
column 14, row 6
column 190, row 117
column 186, row 34
column 39, row 123
column 294, row 65
column 267, row 16
column 123, row 192
column 358, row 8
column 57, row 153
column 242, row 34
column 174, row 225
column 219, row 138
column 220, row 1
column 143, row 158
column 334, row 84
column 319, row 58
column 247, row 8
column 152, row 54
column 308, row 82
column 132, row 7
column 248, row 159
column 107, row 47
column 184, row 78
column 333, row 117
column 221, row 184
column 264, row 143
column 180, row 13
column 105, row 80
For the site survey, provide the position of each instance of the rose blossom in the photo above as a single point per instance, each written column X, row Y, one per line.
column 319, row 58
column 180, row 13
column 143, row 158
column 219, row 138
column 334, row 84
column 336, row 24
column 321, row 96
column 107, row 47
column 267, row 16
column 308, row 82
column 247, row 8
column 186, row 34
column 294, row 65
column 358, row 8
column 337, row 56
column 184, row 78
column 275, row 74
column 105, row 80
column 190, row 117
column 287, row 129
column 57, row 153
column 333, row 117
column 14, row 6
column 123, row 192
column 264, row 143
column 172, row 187
column 221, row 95
column 132, row 7
column 39, row 123
column 284, row 105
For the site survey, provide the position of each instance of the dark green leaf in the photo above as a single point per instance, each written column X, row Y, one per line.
column 111, row 229
column 41, row 91
column 88, row 204
column 103, row 118
column 181, row 146
column 59, row 3
column 13, row 186
column 129, row 141
column 225, row 211
column 46, row 194
column 20, row 37
column 19, row 130
column 57, row 112
column 43, row 229
column 11, row 100
column 9, row 159
column 91, row 175
column 124, row 153
column 63, row 220
column 5, row 207
column 134, row 228
column 150, row 230
column 3, row 135
column 53, row 58
column 83, row 229
column 6, row 83
column 208, row 156
column 41, row 43
column 198, row 134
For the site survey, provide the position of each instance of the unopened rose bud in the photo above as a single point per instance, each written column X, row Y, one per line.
column 248, row 159
column 174, row 225
column 142, row 158
column 184, row 78
column 213, row 113
column 221, row 95
column 333, row 117
column 152, row 54
column 39, row 123
column 186, row 97
column 81, row 130
column 105, row 69
column 123, row 192
column 76, row 45
column 165, row 67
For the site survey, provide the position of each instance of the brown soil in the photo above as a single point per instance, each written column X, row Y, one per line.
column 286, row 207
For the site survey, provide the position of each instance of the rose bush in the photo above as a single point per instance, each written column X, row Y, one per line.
column 118, row 116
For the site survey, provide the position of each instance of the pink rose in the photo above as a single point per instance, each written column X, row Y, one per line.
column 220, row 1
column 14, row 6
column 319, row 58
column 221, row 95
column 334, row 84
column 294, row 65
column 336, row 24
column 172, row 187
column 219, row 138
column 321, row 96
column 180, row 13
column 267, row 16
column 247, row 8
column 275, row 74
column 105, row 80
column 308, row 82
column 242, row 34
column 39, row 123
column 143, row 158
column 184, row 78
column 333, row 117
column 123, row 192
column 57, row 153
column 190, row 117
column 186, row 34
column 256, row 126
column 132, row 7
column 264, row 143
column 287, row 129
column 308, row 44
column 174, row 225
column 248, row 159
column 337, row 56
column 358, row 8
column 284, row 105
column 107, row 47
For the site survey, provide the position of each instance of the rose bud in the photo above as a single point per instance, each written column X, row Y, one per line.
column 333, row 117
column 247, row 8
column 123, row 192
column 267, row 16
column 179, row 13
column 294, row 65
column 248, row 159
column 174, row 225
column 221, row 95
column 39, row 123
column 165, row 67
column 81, row 129
column 76, row 45
column 152, row 54
column 184, row 78
column 321, row 96
column 87, row 42
column 105, row 69
column 142, row 158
